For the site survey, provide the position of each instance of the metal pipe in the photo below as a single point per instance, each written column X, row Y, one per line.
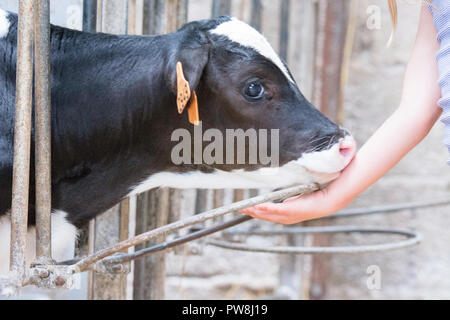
column 22, row 139
column 284, row 28
column 85, row 263
column 221, row 8
column 176, row 242
column 43, row 132
column 90, row 15
column 256, row 14
column 90, row 25
column 393, row 208
column 412, row 238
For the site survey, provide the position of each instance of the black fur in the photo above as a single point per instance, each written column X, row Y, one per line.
column 113, row 109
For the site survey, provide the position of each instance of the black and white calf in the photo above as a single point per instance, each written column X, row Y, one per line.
column 114, row 111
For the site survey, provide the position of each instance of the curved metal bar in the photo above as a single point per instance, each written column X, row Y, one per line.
column 389, row 208
column 323, row 229
column 22, row 140
column 414, row 238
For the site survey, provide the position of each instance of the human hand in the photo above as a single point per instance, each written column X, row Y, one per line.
column 295, row 210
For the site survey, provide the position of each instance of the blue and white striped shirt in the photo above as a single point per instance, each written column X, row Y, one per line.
column 441, row 14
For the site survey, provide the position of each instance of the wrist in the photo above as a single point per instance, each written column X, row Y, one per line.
column 327, row 203
column 337, row 195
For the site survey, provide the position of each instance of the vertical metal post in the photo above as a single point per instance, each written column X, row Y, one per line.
column 332, row 25
column 256, row 15
column 152, row 212
column 22, row 139
column 154, row 208
column 90, row 25
column 289, row 278
column 176, row 14
column 43, row 132
column 332, row 34
column 89, row 15
column 112, row 226
column 284, row 28
column 132, row 12
column 153, row 17
column 221, row 8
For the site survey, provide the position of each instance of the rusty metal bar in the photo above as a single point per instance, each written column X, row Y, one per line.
column 148, row 280
column 110, row 227
column 393, row 208
column 85, row 263
column 151, row 207
column 157, row 207
column 331, row 39
column 177, row 242
column 289, row 278
column 22, row 139
column 90, row 11
column 43, row 132
column 149, row 274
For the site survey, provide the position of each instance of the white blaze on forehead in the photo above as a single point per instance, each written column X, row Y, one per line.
column 4, row 23
column 243, row 34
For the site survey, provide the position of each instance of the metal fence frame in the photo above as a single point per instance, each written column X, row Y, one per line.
column 33, row 33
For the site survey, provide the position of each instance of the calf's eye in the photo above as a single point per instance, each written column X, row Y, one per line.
column 254, row 91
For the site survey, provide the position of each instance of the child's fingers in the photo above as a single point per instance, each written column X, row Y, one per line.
column 255, row 213
column 272, row 208
column 266, row 216
column 277, row 208
column 266, row 213
column 292, row 199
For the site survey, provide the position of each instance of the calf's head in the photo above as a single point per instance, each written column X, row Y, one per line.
column 241, row 83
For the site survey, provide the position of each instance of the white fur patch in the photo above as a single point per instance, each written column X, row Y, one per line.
column 4, row 23
column 63, row 240
column 240, row 32
column 317, row 167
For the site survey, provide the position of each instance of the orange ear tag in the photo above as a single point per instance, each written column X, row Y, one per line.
column 184, row 96
column 193, row 113
column 183, row 89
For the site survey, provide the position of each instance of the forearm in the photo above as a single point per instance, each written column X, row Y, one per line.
column 404, row 130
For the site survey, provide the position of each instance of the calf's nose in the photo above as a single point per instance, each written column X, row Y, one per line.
column 347, row 147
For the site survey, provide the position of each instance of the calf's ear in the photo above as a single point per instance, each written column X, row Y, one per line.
column 186, row 71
